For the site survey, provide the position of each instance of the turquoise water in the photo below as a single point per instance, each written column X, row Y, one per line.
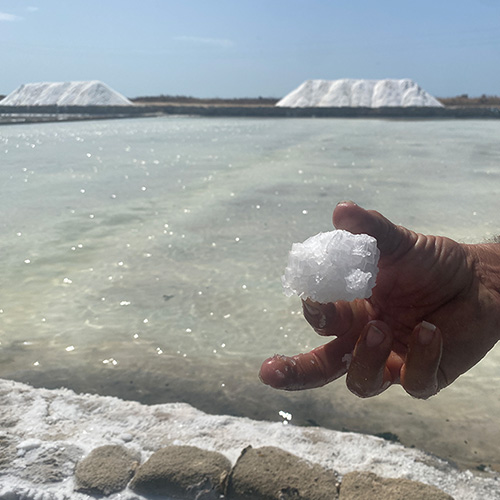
column 142, row 258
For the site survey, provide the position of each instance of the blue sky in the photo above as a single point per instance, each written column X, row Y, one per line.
column 250, row 48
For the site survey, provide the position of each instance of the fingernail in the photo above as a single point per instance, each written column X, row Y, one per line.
column 426, row 333
column 313, row 311
column 317, row 315
column 374, row 336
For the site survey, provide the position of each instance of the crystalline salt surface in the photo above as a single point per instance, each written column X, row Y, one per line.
column 332, row 266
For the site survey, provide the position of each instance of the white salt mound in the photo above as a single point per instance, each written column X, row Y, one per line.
column 358, row 93
column 91, row 93
column 332, row 266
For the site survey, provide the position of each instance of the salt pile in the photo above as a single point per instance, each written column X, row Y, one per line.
column 358, row 93
column 91, row 93
column 332, row 266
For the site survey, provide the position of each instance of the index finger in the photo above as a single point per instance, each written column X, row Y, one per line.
column 309, row 370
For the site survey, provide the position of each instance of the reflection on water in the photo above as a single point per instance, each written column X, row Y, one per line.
column 142, row 258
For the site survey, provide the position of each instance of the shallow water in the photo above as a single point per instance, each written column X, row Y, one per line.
column 142, row 258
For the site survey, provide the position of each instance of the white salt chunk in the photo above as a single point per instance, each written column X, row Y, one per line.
column 332, row 266
column 29, row 444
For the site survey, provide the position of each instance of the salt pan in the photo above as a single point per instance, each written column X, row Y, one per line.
column 332, row 266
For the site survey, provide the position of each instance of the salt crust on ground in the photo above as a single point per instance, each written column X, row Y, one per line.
column 91, row 93
column 358, row 93
column 41, row 422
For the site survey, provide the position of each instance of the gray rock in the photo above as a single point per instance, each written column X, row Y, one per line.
column 50, row 463
column 368, row 486
column 106, row 470
column 182, row 472
column 269, row 473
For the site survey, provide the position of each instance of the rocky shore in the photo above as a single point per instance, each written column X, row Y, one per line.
column 188, row 472
column 58, row 445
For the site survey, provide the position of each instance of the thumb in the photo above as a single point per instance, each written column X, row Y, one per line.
column 391, row 239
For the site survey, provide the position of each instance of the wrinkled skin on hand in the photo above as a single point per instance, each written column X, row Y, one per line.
column 433, row 314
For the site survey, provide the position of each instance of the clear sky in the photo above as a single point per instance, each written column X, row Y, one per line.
column 250, row 48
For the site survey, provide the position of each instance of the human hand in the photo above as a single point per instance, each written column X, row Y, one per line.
column 433, row 314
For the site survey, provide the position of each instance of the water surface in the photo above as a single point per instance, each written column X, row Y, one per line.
column 142, row 258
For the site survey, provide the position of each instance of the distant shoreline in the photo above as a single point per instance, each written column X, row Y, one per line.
column 461, row 101
column 37, row 114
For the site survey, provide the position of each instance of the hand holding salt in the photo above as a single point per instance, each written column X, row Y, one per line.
column 433, row 315
column 336, row 265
